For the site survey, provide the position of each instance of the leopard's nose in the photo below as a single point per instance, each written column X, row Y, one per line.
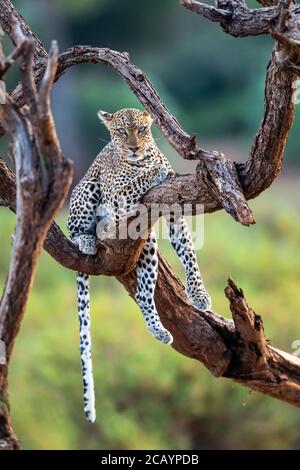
column 134, row 149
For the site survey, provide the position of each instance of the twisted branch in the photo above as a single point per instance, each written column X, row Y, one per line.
column 38, row 200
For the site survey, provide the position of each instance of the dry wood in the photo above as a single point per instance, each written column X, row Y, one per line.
column 238, row 20
column 38, row 199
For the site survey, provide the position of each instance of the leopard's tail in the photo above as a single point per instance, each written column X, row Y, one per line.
column 83, row 299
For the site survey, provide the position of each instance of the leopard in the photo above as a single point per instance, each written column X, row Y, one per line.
column 125, row 170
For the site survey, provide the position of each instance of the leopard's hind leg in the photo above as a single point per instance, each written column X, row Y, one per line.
column 146, row 271
column 182, row 243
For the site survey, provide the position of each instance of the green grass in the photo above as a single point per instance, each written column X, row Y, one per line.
column 148, row 396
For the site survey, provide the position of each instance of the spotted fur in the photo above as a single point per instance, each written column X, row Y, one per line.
column 122, row 173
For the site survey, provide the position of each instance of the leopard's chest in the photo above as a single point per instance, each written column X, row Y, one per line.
column 119, row 193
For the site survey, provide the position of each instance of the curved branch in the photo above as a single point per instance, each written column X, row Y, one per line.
column 265, row 159
column 9, row 18
column 267, row 370
column 237, row 19
column 37, row 202
column 206, row 337
column 255, row 176
column 246, row 180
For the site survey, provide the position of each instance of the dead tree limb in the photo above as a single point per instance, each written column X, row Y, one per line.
column 270, row 371
column 9, row 18
column 38, row 199
column 238, row 20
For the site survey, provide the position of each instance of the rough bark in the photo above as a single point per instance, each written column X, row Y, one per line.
column 234, row 349
column 9, row 18
column 238, row 20
column 43, row 179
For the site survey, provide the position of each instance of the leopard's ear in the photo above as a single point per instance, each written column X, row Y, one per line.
column 105, row 117
column 148, row 117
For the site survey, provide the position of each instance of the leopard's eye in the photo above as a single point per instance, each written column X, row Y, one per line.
column 142, row 129
column 121, row 130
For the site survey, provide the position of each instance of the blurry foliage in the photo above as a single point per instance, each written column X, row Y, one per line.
column 212, row 82
column 81, row 9
column 148, row 396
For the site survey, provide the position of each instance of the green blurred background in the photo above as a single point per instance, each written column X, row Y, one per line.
column 148, row 396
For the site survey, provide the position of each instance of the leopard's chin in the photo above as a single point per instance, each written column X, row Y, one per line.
column 135, row 158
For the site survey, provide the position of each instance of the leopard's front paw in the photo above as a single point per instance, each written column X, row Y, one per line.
column 162, row 173
column 103, row 222
column 86, row 244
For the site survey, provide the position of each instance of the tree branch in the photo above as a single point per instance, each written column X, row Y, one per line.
column 37, row 202
column 254, row 176
column 9, row 18
column 276, row 373
column 265, row 170
column 238, row 20
column 207, row 337
column 221, row 178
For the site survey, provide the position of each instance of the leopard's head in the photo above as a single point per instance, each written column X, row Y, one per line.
column 130, row 130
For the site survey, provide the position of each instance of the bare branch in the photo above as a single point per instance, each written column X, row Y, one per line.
column 279, row 377
column 265, row 160
column 48, row 79
column 237, row 19
column 8, row 186
column 282, row 20
column 27, row 77
column 35, row 207
column 44, row 123
column 9, row 17
column 251, row 342
column 32, row 224
column 221, row 178
column 207, row 11
column 11, row 59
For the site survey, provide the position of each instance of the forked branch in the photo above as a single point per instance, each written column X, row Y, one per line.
column 38, row 198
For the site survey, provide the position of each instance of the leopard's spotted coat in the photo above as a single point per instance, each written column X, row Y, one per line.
column 125, row 170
